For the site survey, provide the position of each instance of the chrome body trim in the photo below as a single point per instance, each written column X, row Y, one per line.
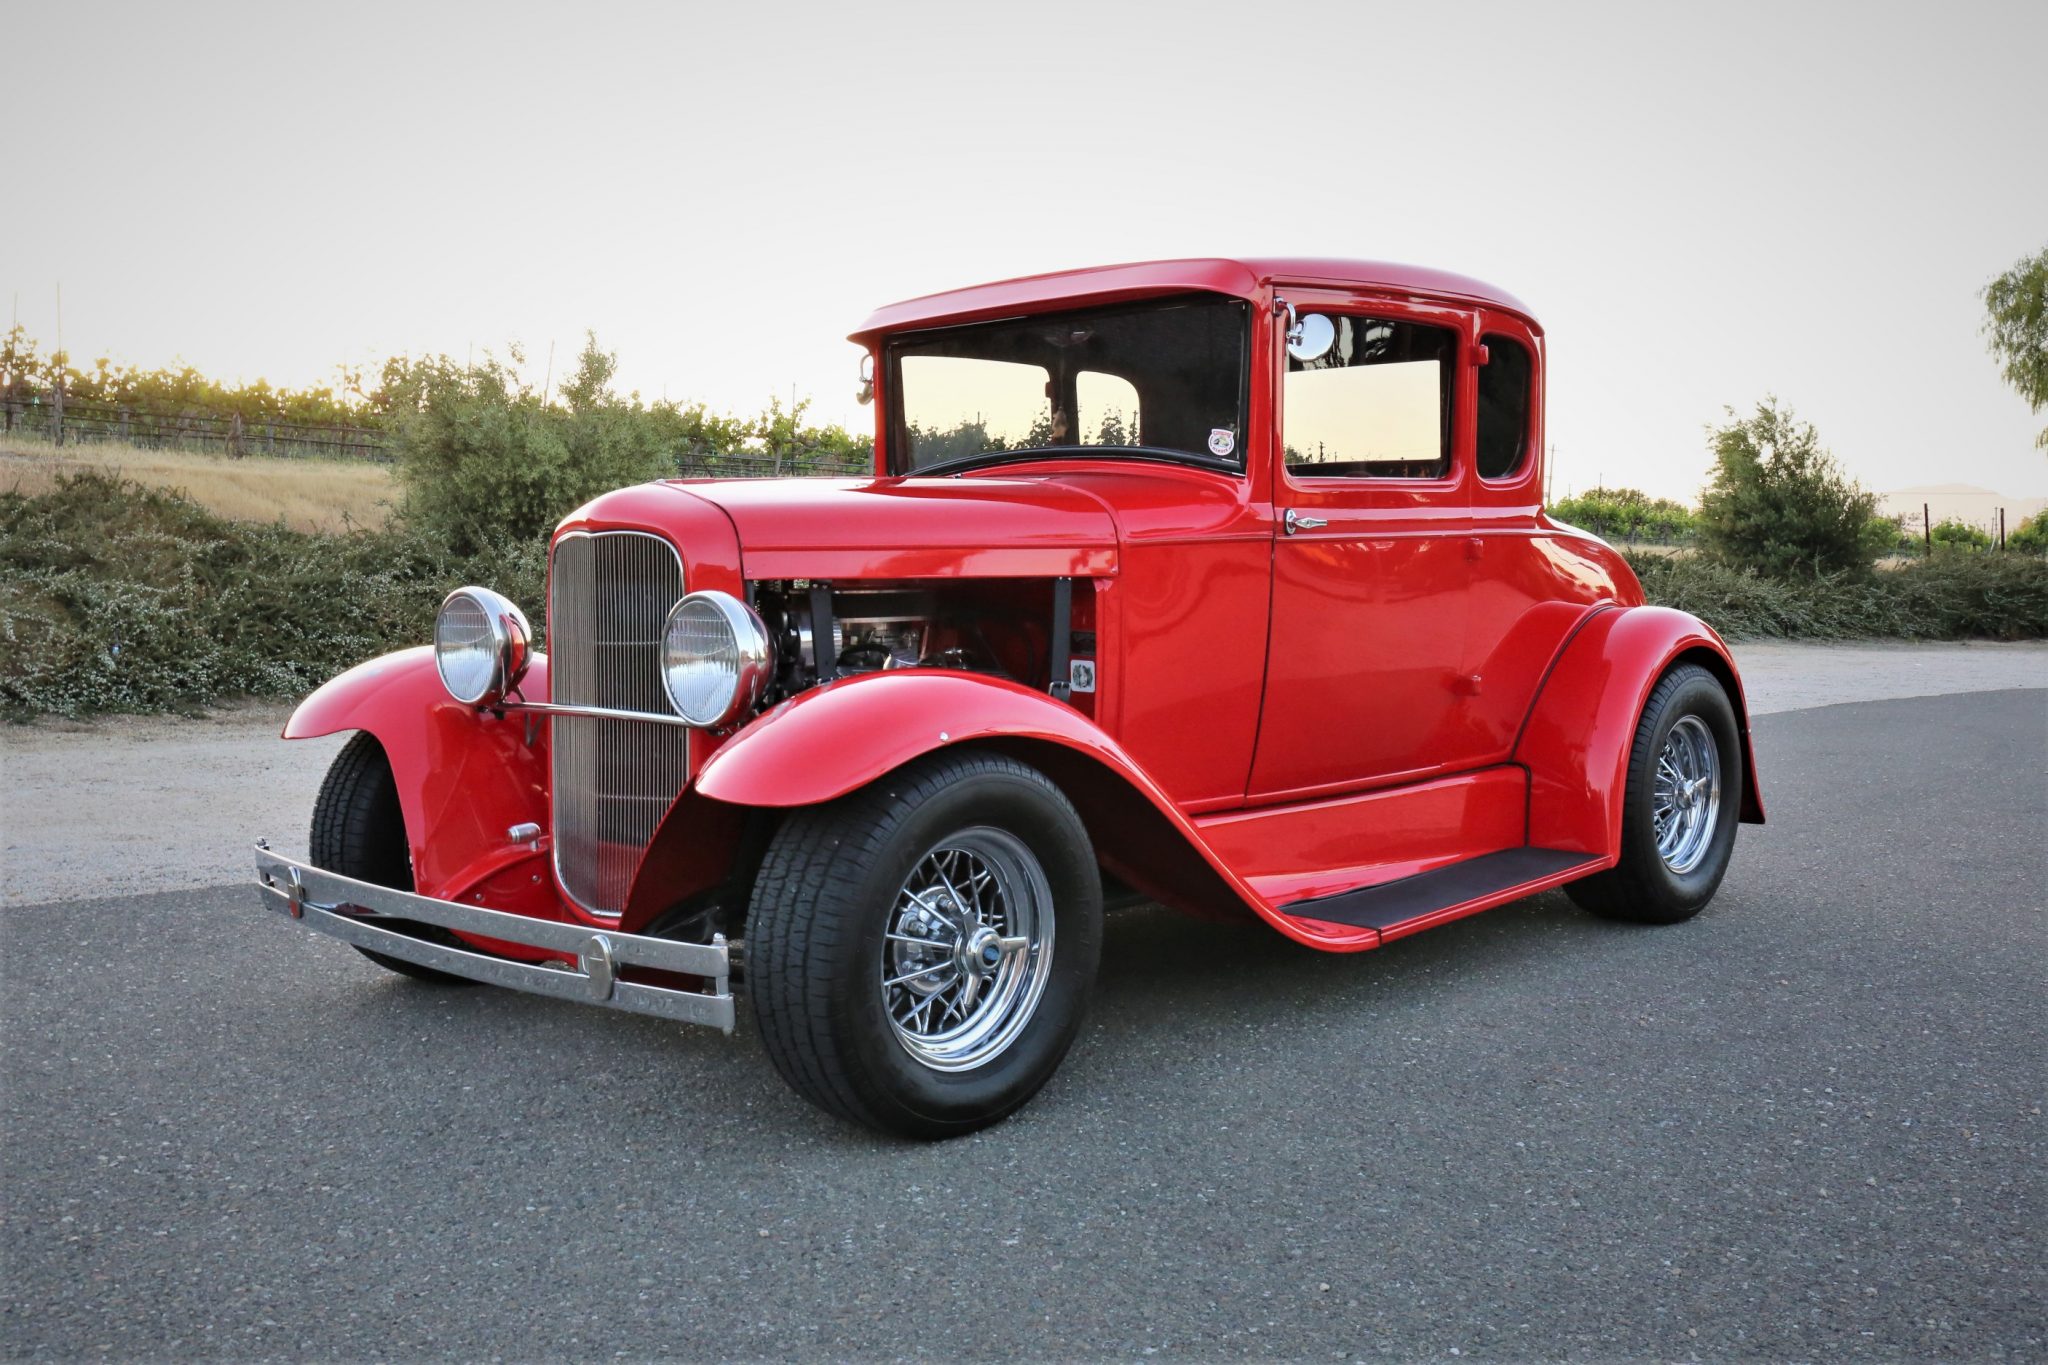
column 347, row 909
column 549, row 708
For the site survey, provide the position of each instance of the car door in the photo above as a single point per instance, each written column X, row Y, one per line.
column 1364, row 684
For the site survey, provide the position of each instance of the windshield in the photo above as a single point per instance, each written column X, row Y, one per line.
column 1164, row 378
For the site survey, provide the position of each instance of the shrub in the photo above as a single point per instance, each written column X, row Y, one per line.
column 115, row 597
column 1958, row 535
column 1949, row 597
column 1628, row 514
column 483, row 457
column 2030, row 536
column 1780, row 504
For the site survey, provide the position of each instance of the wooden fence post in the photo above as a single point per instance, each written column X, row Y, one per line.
column 124, row 425
column 1927, row 529
column 235, row 436
column 57, row 412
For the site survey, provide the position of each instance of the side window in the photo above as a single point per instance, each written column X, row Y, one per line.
column 1377, row 405
column 1503, row 434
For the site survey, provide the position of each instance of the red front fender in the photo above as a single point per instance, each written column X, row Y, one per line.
column 1576, row 740
column 835, row 739
column 464, row 777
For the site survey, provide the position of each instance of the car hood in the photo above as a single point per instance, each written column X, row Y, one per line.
column 913, row 528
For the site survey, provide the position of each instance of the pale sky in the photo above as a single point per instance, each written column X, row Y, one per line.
column 1701, row 204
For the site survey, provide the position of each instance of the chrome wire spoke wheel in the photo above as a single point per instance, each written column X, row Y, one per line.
column 967, row 950
column 1685, row 799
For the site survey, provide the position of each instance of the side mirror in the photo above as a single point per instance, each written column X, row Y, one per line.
column 866, row 394
column 1311, row 337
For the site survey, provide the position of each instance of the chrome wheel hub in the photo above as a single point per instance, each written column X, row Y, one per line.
column 967, row 950
column 1685, row 800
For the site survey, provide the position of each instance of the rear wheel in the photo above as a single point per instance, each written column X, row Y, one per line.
column 920, row 952
column 359, row 831
column 1679, row 814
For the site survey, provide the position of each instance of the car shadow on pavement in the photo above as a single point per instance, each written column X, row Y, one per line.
column 1170, row 990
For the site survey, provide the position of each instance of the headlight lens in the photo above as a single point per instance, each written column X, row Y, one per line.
column 716, row 658
column 482, row 645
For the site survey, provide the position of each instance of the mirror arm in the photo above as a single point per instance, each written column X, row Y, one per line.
column 1282, row 308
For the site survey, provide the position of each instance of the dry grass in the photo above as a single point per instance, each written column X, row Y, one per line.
column 307, row 494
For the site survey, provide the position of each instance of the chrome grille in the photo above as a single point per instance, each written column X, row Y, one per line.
column 609, row 593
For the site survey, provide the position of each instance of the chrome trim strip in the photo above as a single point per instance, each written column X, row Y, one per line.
column 321, row 901
column 600, row 712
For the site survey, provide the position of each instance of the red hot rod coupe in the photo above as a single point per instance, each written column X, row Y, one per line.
column 1223, row 583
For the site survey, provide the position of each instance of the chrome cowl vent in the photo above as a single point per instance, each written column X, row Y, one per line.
column 609, row 596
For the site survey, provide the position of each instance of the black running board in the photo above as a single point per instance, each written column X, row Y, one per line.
column 1391, row 903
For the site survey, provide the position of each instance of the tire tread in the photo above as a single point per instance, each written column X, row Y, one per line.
column 1626, row 891
column 794, row 952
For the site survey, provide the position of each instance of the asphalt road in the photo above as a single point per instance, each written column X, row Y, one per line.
column 1806, row 1124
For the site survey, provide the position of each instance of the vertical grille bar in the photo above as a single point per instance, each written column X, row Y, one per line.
column 609, row 596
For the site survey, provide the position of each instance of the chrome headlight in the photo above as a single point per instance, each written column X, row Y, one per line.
column 482, row 645
column 716, row 658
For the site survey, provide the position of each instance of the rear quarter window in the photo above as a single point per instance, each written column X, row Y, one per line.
column 1503, row 428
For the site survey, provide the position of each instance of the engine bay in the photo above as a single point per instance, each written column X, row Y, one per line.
column 1000, row 627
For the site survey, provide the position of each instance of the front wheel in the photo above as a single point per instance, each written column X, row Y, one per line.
column 359, row 831
column 1679, row 813
column 920, row 952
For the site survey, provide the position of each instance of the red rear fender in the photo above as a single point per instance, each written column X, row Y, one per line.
column 1576, row 740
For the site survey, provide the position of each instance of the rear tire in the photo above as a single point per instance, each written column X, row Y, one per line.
column 1679, row 813
column 883, row 999
column 359, row 831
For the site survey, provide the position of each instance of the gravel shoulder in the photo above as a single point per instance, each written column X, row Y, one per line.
column 128, row 805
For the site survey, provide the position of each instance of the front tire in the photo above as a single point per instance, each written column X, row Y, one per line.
column 920, row 952
column 359, row 831
column 1680, row 810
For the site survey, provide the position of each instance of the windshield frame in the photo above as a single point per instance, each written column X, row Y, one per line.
column 1236, row 465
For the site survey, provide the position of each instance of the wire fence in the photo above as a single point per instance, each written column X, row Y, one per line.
column 1985, row 528
column 798, row 462
column 60, row 418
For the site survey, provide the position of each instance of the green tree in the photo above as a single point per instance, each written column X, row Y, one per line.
column 2030, row 536
column 1780, row 504
column 1627, row 514
column 2017, row 324
column 1951, row 534
column 1112, row 431
column 484, row 458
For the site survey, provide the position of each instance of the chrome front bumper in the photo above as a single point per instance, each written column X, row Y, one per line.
column 348, row 909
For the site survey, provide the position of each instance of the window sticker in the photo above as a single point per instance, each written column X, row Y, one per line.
column 1222, row 440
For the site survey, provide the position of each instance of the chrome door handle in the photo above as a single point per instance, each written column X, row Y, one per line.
column 1294, row 521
